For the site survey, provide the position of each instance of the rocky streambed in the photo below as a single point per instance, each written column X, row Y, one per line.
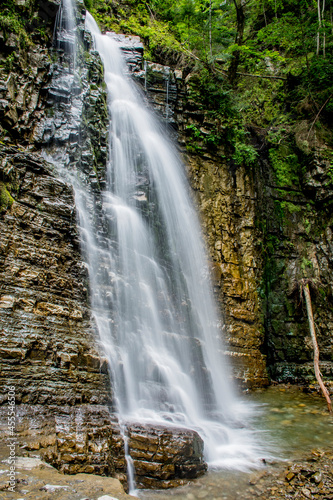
column 297, row 431
column 294, row 426
column 309, row 477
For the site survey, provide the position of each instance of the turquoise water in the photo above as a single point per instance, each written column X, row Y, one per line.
column 290, row 422
column 295, row 422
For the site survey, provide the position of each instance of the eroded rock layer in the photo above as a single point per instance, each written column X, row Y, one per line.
column 88, row 439
column 164, row 457
column 48, row 346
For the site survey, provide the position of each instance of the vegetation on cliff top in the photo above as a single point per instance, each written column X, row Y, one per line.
column 260, row 67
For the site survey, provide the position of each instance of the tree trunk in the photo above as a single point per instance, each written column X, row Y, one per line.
column 324, row 35
column 210, row 29
column 232, row 71
column 263, row 9
column 319, row 26
column 306, row 291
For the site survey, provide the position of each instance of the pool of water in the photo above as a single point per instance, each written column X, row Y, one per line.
column 295, row 421
column 289, row 423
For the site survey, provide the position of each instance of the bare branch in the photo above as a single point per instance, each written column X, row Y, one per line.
column 306, row 292
column 317, row 116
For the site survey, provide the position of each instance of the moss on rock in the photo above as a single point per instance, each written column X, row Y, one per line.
column 6, row 199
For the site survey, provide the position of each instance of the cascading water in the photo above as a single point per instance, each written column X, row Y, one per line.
column 149, row 280
column 65, row 30
column 153, row 303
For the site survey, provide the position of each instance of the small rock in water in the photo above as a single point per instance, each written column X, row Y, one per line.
column 51, row 488
column 107, row 497
column 190, row 496
column 317, row 477
column 306, row 492
column 202, row 494
column 290, row 476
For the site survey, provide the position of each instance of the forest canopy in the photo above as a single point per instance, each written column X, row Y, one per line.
column 263, row 64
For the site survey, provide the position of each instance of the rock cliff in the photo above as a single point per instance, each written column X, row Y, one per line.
column 262, row 240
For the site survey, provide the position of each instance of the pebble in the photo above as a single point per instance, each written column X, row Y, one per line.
column 306, row 492
column 107, row 497
column 51, row 488
column 290, row 476
column 317, row 476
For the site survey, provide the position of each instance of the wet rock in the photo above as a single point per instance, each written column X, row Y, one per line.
column 44, row 309
column 165, row 457
column 38, row 480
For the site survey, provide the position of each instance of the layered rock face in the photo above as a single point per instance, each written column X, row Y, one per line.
column 48, row 346
column 262, row 241
column 88, row 439
column 297, row 240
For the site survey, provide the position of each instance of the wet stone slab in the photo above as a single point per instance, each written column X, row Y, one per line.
column 165, row 457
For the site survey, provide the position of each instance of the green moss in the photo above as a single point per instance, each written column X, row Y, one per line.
column 306, row 264
column 11, row 23
column 6, row 200
column 290, row 207
column 286, row 166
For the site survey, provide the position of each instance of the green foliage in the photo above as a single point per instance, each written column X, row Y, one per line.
column 201, row 139
column 285, row 34
column 320, row 74
column 285, row 165
column 6, row 199
column 211, row 93
column 244, row 154
column 279, row 40
column 306, row 264
column 155, row 32
column 195, row 24
column 89, row 4
column 135, row 18
column 11, row 23
column 290, row 207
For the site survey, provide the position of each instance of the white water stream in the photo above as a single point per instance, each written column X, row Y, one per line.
column 65, row 30
column 153, row 302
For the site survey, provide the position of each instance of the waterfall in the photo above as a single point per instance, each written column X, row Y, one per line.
column 167, row 101
column 153, row 302
column 64, row 36
column 150, row 289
